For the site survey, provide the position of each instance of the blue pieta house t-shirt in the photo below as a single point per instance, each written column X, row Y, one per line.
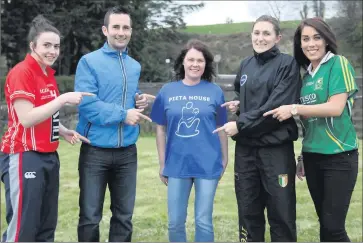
column 190, row 114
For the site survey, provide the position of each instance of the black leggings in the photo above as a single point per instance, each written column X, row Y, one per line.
column 331, row 180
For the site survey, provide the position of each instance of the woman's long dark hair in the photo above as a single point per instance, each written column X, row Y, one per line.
column 209, row 72
column 323, row 29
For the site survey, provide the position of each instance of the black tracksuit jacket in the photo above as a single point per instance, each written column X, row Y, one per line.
column 264, row 82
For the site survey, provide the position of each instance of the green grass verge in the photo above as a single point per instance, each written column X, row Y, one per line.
column 232, row 28
column 150, row 217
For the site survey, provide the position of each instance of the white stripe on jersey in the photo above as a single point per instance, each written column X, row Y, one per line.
column 21, row 92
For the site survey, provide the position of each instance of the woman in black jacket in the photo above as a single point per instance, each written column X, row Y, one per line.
column 265, row 164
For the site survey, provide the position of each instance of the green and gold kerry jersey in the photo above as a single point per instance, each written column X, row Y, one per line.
column 329, row 135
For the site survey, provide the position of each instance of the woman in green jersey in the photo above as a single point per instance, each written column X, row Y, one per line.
column 329, row 151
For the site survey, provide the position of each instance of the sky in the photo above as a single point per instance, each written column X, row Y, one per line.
column 217, row 12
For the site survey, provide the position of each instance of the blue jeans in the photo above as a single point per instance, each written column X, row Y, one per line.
column 99, row 167
column 178, row 196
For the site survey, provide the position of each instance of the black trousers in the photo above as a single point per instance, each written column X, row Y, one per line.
column 331, row 180
column 99, row 167
column 31, row 182
column 265, row 178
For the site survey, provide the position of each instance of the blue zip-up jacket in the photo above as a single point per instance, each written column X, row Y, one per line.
column 113, row 77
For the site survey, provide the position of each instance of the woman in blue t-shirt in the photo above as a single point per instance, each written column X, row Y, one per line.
column 187, row 112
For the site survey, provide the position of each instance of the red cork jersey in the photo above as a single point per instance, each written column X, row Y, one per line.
column 27, row 81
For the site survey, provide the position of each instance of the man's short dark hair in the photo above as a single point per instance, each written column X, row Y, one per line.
column 115, row 10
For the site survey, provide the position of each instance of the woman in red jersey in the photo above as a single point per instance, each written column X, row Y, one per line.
column 28, row 158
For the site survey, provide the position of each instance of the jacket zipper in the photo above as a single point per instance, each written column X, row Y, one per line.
column 124, row 88
column 87, row 128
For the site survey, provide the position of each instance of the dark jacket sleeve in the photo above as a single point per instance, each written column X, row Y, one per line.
column 286, row 91
column 237, row 85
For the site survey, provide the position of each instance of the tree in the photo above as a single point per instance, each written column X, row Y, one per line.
column 319, row 8
column 229, row 20
column 80, row 23
column 348, row 23
column 15, row 20
column 159, row 25
column 281, row 10
column 276, row 7
column 304, row 11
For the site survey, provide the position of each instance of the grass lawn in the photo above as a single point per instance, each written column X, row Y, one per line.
column 150, row 217
column 245, row 27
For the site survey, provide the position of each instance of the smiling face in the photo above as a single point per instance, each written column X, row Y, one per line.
column 194, row 64
column 313, row 45
column 118, row 31
column 46, row 48
column 264, row 36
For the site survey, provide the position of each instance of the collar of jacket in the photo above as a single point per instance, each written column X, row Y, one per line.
column 263, row 57
column 108, row 50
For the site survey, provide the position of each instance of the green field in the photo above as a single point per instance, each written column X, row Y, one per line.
column 150, row 218
column 232, row 28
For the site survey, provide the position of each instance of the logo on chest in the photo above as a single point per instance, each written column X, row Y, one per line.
column 243, row 79
column 189, row 122
column 47, row 93
column 319, row 84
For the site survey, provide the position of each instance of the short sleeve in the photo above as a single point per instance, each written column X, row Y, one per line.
column 21, row 85
column 157, row 114
column 221, row 111
column 342, row 78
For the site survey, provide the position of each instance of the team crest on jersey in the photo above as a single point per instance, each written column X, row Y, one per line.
column 243, row 79
column 283, row 180
column 319, row 84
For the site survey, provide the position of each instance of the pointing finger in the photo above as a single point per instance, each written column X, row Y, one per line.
column 143, row 106
column 139, row 110
column 218, row 129
column 145, row 117
column 141, row 102
column 269, row 112
column 149, row 96
column 87, row 94
column 227, row 103
column 84, row 139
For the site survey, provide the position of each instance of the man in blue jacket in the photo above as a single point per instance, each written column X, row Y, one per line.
column 110, row 121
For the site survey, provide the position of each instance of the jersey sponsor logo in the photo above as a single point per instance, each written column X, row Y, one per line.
column 243, row 79
column 53, row 93
column 30, row 175
column 308, row 99
column 47, row 93
column 55, row 127
column 319, row 84
column 43, row 91
column 309, row 83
